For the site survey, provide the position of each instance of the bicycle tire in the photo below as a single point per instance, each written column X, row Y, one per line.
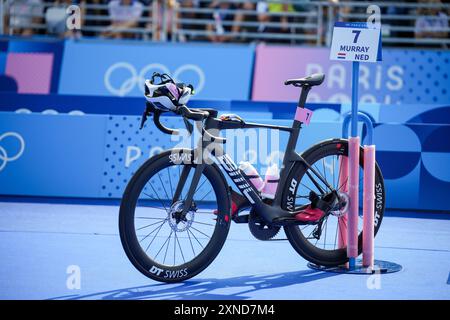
column 294, row 234
column 128, row 235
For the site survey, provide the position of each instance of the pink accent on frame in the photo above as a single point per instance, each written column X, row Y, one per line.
column 32, row 71
column 353, row 177
column 303, row 115
column 343, row 185
column 368, row 206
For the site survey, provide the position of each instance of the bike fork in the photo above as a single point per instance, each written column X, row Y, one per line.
column 183, row 177
column 192, row 188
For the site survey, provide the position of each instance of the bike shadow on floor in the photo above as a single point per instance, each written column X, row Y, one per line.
column 236, row 288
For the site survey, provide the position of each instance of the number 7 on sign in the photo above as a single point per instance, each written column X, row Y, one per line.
column 356, row 32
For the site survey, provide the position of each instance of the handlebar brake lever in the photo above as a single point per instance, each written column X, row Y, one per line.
column 148, row 111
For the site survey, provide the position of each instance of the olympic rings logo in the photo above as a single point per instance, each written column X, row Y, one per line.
column 4, row 157
column 138, row 79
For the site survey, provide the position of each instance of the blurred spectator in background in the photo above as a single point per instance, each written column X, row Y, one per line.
column 225, row 21
column 344, row 11
column 189, row 4
column 23, row 14
column 273, row 12
column 124, row 14
column 164, row 19
column 279, row 9
column 246, row 13
column 98, row 13
column 217, row 30
column 432, row 22
column 389, row 25
column 307, row 11
column 56, row 19
column 320, row 31
column 262, row 8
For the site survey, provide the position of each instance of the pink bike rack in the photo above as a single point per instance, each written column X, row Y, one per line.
column 369, row 206
column 353, row 186
column 344, row 230
column 343, row 184
column 349, row 183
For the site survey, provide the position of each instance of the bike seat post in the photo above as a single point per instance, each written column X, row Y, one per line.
column 303, row 96
column 292, row 141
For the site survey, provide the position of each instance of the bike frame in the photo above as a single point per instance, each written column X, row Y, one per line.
column 269, row 213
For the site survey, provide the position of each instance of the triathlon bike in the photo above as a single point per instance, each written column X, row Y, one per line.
column 176, row 210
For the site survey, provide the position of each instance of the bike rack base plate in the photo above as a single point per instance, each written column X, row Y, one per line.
column 380, row 266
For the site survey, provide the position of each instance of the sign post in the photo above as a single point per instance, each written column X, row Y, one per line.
column 357, row 42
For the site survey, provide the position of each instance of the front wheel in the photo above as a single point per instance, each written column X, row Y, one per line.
column 160, row 240
column 324, row 243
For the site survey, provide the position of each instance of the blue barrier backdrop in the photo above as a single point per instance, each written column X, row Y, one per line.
column 120, row 69
column 57, row 103
column 219, row 72
column 404, row 76
column 95, row 155
column 30, row 66
column 57, row 146
column 62, row 155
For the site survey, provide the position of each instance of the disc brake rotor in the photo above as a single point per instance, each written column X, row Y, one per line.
column 180, row 222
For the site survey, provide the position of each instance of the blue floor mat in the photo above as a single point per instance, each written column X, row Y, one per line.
column 38, row 242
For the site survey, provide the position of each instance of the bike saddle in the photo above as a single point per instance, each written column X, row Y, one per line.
column 312, row 80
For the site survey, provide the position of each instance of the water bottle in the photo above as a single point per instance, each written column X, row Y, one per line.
column 271, row 182
column 252, row 174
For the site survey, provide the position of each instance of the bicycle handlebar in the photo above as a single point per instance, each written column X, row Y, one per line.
column 187, row 114
column 200, row 115
column 160, row 126
column 193, row 114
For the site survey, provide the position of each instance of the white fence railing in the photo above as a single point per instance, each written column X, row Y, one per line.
column 278, row 21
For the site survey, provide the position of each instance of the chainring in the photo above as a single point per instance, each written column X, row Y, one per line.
column 259, row 228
